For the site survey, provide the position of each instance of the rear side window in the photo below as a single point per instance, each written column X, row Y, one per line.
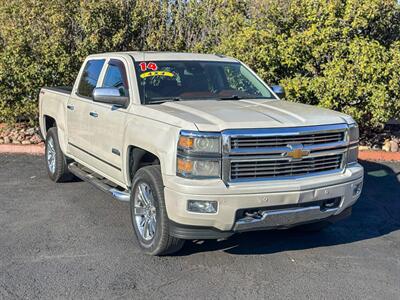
column 116, row 77
column 90, row 77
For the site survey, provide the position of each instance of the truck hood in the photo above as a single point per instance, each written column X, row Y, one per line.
column 211, row 115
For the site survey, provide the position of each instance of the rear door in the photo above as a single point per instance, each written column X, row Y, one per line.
column 78, row 109
column 108, row 123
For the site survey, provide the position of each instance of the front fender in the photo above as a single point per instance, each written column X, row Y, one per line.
column 155, row 137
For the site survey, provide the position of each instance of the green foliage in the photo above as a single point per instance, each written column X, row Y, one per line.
column 342, row 55
column 338, row 54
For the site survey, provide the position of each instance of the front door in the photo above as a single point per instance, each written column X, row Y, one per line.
column 107, row 123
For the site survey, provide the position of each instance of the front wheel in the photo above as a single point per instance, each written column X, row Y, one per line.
column 149, row 214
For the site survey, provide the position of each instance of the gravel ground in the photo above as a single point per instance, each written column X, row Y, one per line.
column 72, row 241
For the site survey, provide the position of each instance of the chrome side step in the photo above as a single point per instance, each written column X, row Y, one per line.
column 89, row 176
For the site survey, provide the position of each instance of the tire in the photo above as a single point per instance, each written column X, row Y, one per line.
column 147, row 184
column 314, row 227
column 56, row 161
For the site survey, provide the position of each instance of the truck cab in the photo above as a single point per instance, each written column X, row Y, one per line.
column 200, row 147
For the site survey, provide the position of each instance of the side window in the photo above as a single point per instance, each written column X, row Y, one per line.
column 116, row 77
column 90, row 76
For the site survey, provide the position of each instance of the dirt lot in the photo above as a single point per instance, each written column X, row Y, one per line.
column 72, row 241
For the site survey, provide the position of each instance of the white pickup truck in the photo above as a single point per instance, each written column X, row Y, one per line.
column 200, row 146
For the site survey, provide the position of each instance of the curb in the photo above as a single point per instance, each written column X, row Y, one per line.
column 379, row 155
column 22, row 149
column 39, row 150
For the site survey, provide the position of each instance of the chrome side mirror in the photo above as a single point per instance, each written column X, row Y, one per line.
column 110, row 95
column 279, row 91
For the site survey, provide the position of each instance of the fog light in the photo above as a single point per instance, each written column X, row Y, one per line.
column 357, row 189
column 199, row 206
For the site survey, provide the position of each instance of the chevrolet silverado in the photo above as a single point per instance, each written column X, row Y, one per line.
column 200, row 146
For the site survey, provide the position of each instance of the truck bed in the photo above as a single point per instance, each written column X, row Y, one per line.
column 52, row 107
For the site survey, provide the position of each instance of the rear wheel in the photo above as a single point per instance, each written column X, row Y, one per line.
column 56, row 161
column 149, row 214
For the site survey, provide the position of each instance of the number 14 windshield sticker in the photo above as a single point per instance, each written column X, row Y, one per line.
column 148, row 66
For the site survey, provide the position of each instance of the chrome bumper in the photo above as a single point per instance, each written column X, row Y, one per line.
column 284, row 218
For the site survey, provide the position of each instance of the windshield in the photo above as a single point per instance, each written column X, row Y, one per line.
column 163, row 81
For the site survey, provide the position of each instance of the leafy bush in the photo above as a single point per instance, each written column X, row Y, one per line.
column 339, row 54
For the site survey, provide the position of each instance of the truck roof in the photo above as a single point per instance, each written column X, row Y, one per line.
column 158, row 55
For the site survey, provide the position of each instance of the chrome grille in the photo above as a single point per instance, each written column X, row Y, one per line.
column 281, row 141
column 283, row 153
column 283, row 168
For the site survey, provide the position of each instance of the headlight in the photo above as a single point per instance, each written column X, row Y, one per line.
column 353, row 133
column 199, row 142
column 199, row 155
column 195, row 168
column 352, row 153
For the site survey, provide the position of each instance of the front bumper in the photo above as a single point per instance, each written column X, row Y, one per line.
column 201, row 233
column 281, row 204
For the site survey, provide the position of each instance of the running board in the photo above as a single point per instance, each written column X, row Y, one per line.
column 90, row 177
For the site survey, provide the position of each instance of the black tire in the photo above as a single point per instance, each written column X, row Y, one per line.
column 162, row 243
column 314, row 227
column 60, row 172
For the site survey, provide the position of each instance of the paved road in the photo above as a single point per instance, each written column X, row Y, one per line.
column 72, row 241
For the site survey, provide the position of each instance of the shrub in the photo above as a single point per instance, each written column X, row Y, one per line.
column 342, row 55
column 338, row 54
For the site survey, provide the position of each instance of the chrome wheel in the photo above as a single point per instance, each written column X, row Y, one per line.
column 51, row 155
column 145, row 211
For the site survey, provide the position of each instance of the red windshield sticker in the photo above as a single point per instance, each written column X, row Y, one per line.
column 148, row 66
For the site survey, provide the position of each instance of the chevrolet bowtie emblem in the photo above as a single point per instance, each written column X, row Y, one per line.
column 297, row 151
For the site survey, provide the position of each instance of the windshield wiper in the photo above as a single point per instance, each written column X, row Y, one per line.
column 233, row 97
column 160, row 100
column 236, row 97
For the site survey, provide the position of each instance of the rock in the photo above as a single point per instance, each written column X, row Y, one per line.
column 394, row 147
column 35, row 139
column 386, row 146
column 30, row 131
column 25, row 142
column 16, row 142
column 363, row 148
column 376, row 147
column 1, row 141
column 7, row 140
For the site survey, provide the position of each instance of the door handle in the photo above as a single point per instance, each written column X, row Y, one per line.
column 93, row 114
column 70, row 107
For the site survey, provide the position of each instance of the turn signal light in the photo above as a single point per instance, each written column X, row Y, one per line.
column 185, row 142
column 185, row 166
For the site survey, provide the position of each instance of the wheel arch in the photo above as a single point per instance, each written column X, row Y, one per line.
column 48, row 122
column 138, row 158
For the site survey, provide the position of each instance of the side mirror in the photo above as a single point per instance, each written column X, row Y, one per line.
column 110, row 96
column 279, row 91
